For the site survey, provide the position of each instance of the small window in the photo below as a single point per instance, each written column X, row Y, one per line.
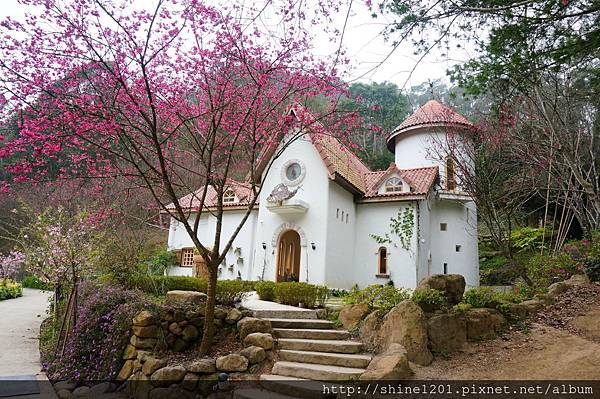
column 383, row 269
column 293, row 171
column 337, row 215
column 450, row 174
column 228, row 197
column 443, row 226
column 458, row 248
column 393, row 185
column 346, row 218
column 445, row 268
column 342, row 216
column 187, row 257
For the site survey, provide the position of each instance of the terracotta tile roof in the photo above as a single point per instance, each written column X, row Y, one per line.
column 432, row 113
column 420, row 180
column 191, row 201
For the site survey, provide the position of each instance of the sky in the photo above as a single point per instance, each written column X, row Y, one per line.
column 365, row 46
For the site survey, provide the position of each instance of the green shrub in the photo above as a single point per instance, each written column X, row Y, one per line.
column 481, row 297
column 295, row 293
column 543, row 270
column 430, row 299
column 265, row 290
column 462, row 307
column 529, row 238
column 34, row 282
column 9, row 289
column 231, row 291
column 337, row 293
column 592, row 269
column 160, row 262
column 382, row 297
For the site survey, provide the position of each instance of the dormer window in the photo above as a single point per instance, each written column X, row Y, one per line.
column 229, row 196
column 393, row 185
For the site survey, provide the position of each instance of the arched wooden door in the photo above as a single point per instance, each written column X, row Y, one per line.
column 288, row 256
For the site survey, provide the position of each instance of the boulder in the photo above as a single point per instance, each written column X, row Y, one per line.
column 390, row 365
column 142, row 356
column 130, row 352
column 190, row 381
column 220, row 313
column 144, row 318
column 126, row 371
column 483, row 323
column 198, row 311
column 101, row 389
column 160, row 393
column 369, row 329
column 554, row 290
column 232, row 362
column 152, row 364
column 179, row 345
column 150, row 331
column 249, row 325
column 81, row 392
column 167, row 376
column 143, row 343
column 178, row 297
column 189, row 333
column 63, row 394
column 447, row 331
column 453, row 286
column 254, row 354
column 138, row 386
column 233, row 316
column 205, row 366
column 175, row 328
column 68, row 385
column 262, row 340
column 526, row 308
column 351, row 315
column 406, row 325
column 197, row 322
column 577, row 279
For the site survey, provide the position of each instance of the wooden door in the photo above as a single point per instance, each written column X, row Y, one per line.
column 288, row 256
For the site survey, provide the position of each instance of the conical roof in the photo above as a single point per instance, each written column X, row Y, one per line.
column 431, row 114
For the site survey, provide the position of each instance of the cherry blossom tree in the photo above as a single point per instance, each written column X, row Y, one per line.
column 181, row 96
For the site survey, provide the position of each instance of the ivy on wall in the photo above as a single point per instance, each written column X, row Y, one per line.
column 401, row 226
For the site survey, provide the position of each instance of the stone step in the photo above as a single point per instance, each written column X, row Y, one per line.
column 286, row 314
column 256, row 393
column 300, row 323
column 300, row 387
column 310, row 333
column 319, row 345
column 326, row 358
column 316, row 371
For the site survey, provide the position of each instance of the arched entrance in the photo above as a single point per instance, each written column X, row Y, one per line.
column 288, row 256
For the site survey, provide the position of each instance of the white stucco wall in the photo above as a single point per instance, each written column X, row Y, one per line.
column 374, row 218
column 312, row 224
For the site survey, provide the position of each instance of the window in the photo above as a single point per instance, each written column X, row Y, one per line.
column 443, row 226
column 337, row 215
column 293, row 171
column 458, row 248
column 346, row 218
column 229, row 196
column 393, row 185
column 382, row 269
column 445, row 268
column 450, row 174
column 187, row 257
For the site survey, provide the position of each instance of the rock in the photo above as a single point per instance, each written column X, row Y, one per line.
column 130, row 352
column 178, row 315
column 232, row 362
column 81, row 391
column 178, row 297
column 406, row 325
column 249, row 325
column 218, row 322
column 150, row 331
column 101, row 389
column 144, row 318
column 167, row 376
column 483, row 323
column 189, row 333
column 170, row 339
column 390, row 365
column 205, row 366
column 577, row 279
column 351, row 315
column 233, row 316
column 198, row 311
column 247, row 313
column 160, row 393
column 254, row 354
column 447, row 332
column 179, row 345
column 190, row 381
column 369, row 329
column 138, row 386
column 175, row 329
column 453, row 286
column 554, row 290
column 220, row 313
column 137, row 365
column 152, row 364
column 206, row 384
column 126, row 370
column 68, row 385
column 64, row 394
column 526, row 308
column 197, row 322
column 262, row 340
column 142, row 356
column 142, row 343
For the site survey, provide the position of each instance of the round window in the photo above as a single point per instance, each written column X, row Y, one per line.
column 293, row 171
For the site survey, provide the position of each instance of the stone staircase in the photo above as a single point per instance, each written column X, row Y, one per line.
column 309, row 350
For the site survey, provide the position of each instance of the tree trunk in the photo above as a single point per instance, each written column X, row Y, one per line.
column 209, row 316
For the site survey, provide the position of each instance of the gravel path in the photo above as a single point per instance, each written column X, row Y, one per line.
column 20, row 320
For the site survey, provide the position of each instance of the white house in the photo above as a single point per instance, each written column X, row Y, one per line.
column 324, row 217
